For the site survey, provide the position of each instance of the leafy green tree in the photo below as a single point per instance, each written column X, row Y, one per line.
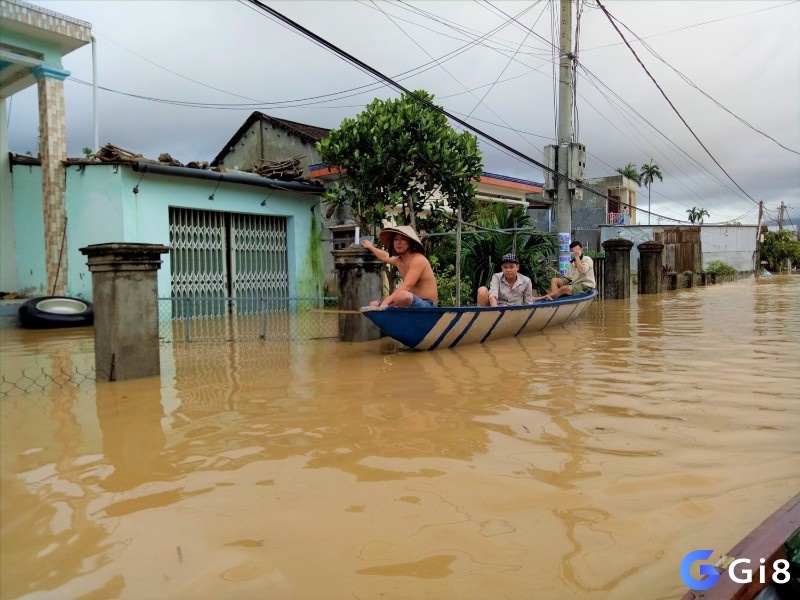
column 648, row 174
column 696, row 214
column 630, row 172
column 404, row 164
column 481, row 252
column 778, row 247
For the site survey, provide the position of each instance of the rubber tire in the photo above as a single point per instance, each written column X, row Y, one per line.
column 36, row 314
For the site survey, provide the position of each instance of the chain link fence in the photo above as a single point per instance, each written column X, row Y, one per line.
column 38, row 379
column 184, row 321
column 237, row 319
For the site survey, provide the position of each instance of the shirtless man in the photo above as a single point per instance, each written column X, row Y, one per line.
column 419, row 289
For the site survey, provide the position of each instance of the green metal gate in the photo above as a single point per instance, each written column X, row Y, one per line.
column 225, row 263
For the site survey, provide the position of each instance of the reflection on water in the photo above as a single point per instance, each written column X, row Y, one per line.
column 580, row 462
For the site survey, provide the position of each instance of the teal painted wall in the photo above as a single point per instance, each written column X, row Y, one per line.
column 50, row 51
column 102, row 208
column 29, row 231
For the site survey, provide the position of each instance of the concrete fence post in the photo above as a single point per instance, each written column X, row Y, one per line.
column 359, row 276
column 125, row 297
column 617, row 284
column 650, row 267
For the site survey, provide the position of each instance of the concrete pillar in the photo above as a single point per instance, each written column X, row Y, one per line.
column 125, row 297
column 53, row 152
column 359, row 275
column 650, row 267
column 617, row 284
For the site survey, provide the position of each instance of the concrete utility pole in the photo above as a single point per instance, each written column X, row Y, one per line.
column 563, row 207
column 780, row 216
column 757, row 268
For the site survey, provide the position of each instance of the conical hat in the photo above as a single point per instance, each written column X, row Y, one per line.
column 387, row 235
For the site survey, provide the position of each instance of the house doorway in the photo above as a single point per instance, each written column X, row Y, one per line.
column 226, row 263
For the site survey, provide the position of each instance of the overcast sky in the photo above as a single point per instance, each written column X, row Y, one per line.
column 181, row 77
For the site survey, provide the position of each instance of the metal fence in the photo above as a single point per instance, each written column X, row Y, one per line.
column 182, row 320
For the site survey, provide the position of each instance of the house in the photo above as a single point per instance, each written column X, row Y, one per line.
column 265, row 138
column 34, row 41
column 231, row 234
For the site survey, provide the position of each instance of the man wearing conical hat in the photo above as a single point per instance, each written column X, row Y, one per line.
column 419, row 288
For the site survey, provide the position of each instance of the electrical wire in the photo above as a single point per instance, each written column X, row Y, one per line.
column 671, row 104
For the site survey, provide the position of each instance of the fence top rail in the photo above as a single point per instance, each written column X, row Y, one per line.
column 249, row 298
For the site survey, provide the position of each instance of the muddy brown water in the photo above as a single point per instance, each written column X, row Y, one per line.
column 583, row 462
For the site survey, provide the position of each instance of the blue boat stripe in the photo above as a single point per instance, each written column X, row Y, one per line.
column 465, row 330
column 491, row 329
column 551, row 318
column 525, row 324
column 446, row 331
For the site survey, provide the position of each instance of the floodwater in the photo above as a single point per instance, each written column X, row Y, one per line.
column 583, row 462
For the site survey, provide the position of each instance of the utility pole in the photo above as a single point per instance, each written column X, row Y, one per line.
column 780, row 216
column 757, row 269
column 563, row 208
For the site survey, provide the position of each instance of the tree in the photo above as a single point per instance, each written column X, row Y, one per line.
column 481, row 252
column 778, row 247
column 404, row 164
column 649, row 173
column 696, row 214
column 630, row 172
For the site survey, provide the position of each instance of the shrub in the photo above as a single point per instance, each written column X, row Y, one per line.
column 720, row 268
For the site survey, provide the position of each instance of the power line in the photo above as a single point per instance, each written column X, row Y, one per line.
column 670, row 102
column 377, row 74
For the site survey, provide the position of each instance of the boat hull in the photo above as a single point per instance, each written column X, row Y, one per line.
column 447, row 327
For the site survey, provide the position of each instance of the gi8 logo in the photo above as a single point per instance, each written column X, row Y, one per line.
column 744, row 575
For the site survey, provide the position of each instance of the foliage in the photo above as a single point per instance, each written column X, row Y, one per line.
column 481, row 252
column 595, row 253
column 630, row 172
column 87, row 153
column 404, row 164
column 446, row 280
column 696, row 214
column 778, row 247
column 649, row 173
column 720, row 268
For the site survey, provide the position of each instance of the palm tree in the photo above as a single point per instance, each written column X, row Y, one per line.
column 697, row 214
column 649, row 173
column 630, row 172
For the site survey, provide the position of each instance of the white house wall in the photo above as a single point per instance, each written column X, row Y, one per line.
column 734, row 245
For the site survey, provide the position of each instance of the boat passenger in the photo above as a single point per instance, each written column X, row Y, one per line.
column 579, row 279
column 418, row 289
column 508, row 288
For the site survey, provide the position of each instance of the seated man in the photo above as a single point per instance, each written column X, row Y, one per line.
column 419, row 289
column 507, row 288
column 579, row 279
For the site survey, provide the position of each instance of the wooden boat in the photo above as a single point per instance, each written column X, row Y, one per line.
column 778, row 537
column 446, row 327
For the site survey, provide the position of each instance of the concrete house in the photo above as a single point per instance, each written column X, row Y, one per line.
column 231, row 234
column 34, row 40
